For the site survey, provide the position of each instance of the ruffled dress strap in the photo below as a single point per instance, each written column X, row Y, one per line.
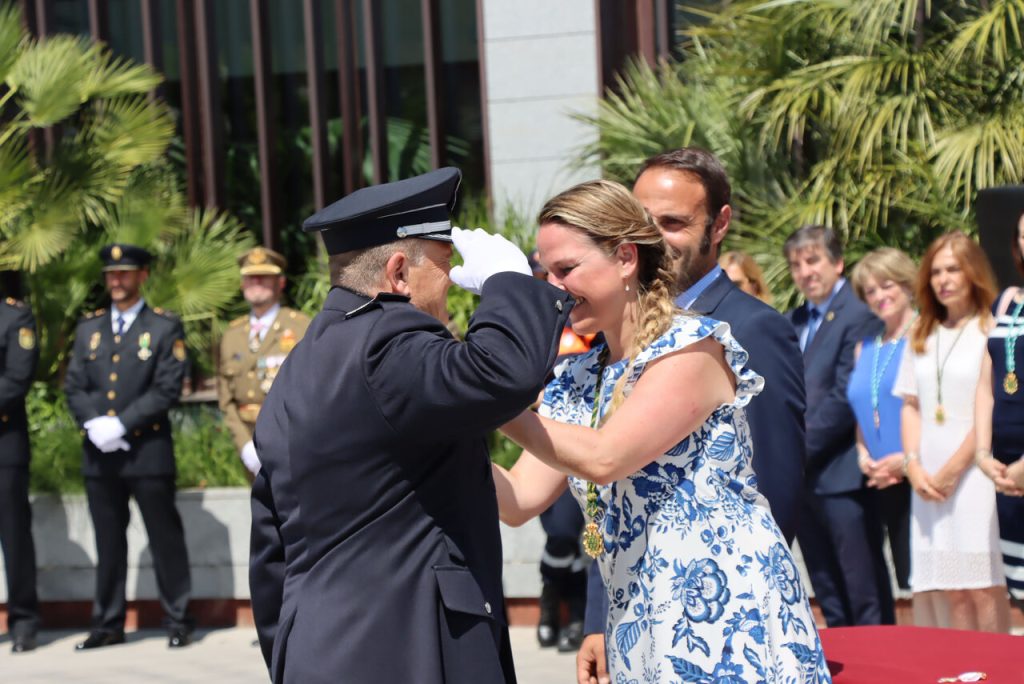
column 688, row 329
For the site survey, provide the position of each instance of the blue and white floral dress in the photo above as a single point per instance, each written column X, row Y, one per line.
column 701, row 585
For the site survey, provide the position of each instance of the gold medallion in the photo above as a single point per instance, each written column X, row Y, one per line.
column 1010, row 384
column 940, row 414
column 27, row 338
column 593, row 545
column 94, row 341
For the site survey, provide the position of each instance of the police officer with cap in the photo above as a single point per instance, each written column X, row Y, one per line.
column 254, row 347
column 126, row 371
column 389, row 569
column 19, row 355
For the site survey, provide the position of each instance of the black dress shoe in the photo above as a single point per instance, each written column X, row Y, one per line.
column 571, row 637
column 100, row 639
column 23, row 643
column 179, row 637
column 547, row 635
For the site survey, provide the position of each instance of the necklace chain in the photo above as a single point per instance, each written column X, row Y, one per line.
column 1010, row 382
column 940, row 412
column 876, row 375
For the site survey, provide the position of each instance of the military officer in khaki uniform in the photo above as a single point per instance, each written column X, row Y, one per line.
column 254, row 347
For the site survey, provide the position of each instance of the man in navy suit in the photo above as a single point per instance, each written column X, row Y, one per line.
column 839, row 532
column 687, row 192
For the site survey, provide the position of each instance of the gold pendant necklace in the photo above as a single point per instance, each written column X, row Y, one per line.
column 593, row 544
column 940, row 412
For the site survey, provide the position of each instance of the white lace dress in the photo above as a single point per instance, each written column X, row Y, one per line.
column 953, row 544
column 701, row 584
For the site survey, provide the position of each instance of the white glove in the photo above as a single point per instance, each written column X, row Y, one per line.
column 117, row 444
column 250, row 459
column 483, row 255
column 104, row 431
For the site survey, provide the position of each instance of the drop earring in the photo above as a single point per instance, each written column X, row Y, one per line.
column 627, row 287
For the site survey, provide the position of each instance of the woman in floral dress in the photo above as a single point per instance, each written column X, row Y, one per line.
column 651, row 430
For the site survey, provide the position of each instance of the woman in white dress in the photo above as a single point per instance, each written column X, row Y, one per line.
column 956, row 566
column 650, row 428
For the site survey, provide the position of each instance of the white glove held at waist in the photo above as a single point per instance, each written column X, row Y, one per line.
column 104, row 431
column 250, row 459
column 483, row 255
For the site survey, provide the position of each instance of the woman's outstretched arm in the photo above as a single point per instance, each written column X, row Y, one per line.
column 527, row 489
column 673, row 397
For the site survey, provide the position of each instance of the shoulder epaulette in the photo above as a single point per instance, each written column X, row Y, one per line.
column 94, row 314
column 238, row 321
column 11, row 301
column 160, row 311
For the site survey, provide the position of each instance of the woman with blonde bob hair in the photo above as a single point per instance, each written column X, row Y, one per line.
column 650, row 429
column 884, row 280
column 956, row 570
column 746, row 274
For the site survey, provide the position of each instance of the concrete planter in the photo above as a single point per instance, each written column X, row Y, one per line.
column 217, row 533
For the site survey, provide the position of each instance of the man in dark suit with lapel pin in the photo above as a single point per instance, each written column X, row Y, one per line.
column 19, row 355
column 839, row 531
column 376, row 552
column 687, row 191
column 126, row 371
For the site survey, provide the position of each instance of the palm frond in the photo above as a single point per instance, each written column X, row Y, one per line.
column 12, row 37
column 48, row 76
column 993, row 34
column 110, row 76
column 128, row 130
column 982, row 152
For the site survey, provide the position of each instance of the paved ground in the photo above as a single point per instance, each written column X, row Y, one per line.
column 225, row 656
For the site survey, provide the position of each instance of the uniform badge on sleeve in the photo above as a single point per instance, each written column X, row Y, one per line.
column 94, row 341
column 27, row 338
column 288, row 340
column 179, row 350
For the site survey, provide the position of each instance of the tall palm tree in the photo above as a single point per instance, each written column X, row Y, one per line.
column 82, row 163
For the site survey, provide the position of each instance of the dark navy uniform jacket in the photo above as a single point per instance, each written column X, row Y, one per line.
column 19, row 354
column 828, row 361
column 375, row 551
column 138, row 379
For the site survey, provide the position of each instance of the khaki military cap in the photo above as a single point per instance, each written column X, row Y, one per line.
column 262, row 261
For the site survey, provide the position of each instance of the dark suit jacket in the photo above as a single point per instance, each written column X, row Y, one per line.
column 376, row 553
column 19, row 354
column 828, row 361
column 138, row 379
column 776, row 416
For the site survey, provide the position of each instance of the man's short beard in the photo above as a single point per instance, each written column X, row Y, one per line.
column 686, row 267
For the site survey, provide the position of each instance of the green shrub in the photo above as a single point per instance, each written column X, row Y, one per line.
column 203, row 447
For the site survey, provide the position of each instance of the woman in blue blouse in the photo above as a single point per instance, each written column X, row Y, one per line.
column 884, row 279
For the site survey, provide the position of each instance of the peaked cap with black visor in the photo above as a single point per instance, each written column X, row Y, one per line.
column 417, row 207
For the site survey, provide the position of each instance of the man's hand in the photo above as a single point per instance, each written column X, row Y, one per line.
column 591, row 667
column 484, row 255
column 1013, row 484
column 250, row 459
column 107, row 433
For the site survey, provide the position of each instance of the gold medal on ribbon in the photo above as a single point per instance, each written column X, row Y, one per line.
column 1010, row 384
column 593, row 545
column 144, row 351
column 940, row 414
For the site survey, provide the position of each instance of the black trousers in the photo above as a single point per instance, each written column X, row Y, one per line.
column 840, row 537
column 894, row 510
column 108, row 506
column 19, row 551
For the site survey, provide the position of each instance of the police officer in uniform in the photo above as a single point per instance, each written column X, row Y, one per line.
column 254, row 347
column 126, row 371
column 18, row 358
column 390, row 568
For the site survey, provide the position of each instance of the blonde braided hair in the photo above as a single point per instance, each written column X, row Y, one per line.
column 608, row 214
